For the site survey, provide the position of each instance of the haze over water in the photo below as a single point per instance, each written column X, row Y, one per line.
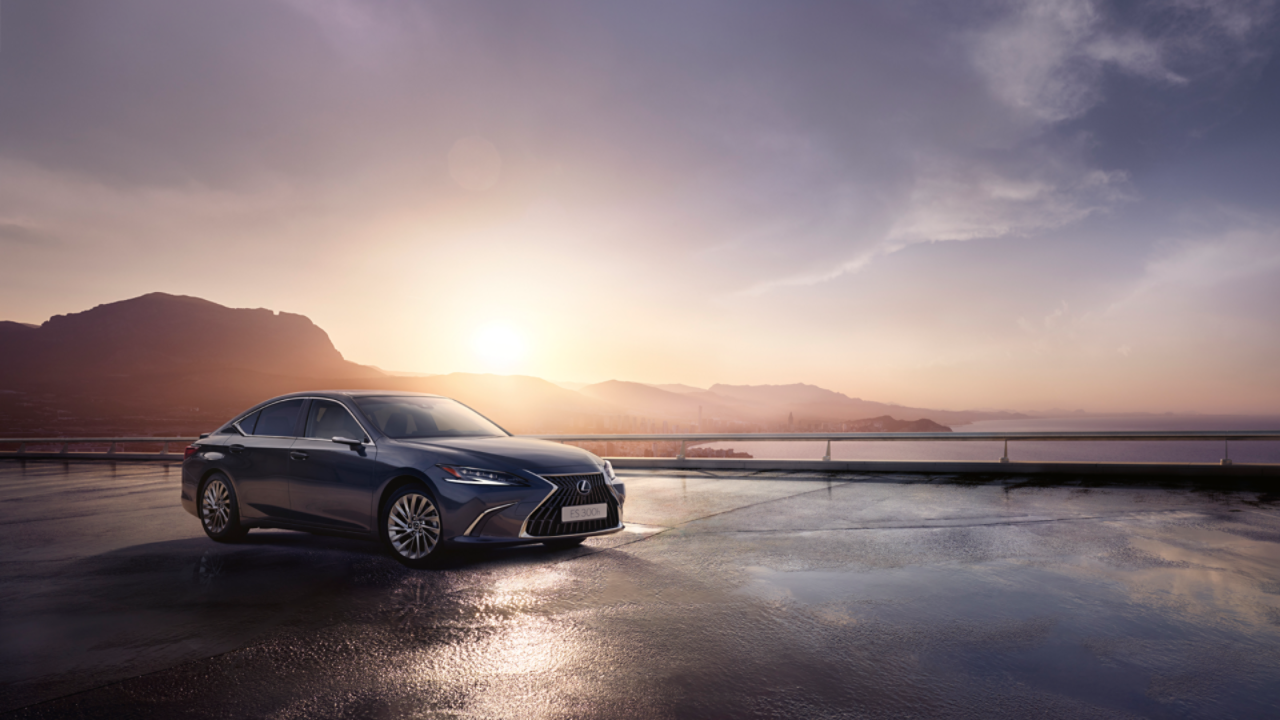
column 1179, row 451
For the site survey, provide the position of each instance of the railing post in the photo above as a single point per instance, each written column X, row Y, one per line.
column 1005, row 458
column 827, row 457
column 1226, row 451
column 681, row 455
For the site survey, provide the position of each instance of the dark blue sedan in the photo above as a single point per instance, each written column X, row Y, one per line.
column 418, row 472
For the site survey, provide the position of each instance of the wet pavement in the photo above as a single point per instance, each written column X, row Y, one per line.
column 771, row 596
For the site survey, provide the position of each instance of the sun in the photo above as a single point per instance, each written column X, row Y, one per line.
column 498, row 348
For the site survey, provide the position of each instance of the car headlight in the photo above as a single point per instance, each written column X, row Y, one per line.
column 609, row 477
column 476, row 476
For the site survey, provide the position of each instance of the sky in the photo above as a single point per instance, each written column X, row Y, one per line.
column 1013, row 205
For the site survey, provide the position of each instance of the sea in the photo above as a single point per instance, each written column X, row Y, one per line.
column 1173, row 451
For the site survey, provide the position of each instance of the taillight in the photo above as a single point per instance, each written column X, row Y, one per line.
column 191, row 450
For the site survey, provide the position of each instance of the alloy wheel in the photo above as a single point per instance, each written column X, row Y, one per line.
column 413, row 526
column 216, row 507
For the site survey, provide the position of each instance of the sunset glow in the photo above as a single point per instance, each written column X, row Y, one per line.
column 1029, row 206
column 498, row 349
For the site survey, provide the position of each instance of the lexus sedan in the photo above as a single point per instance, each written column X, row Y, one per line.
column 420, row 473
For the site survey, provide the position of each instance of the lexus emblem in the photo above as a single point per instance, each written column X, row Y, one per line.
column 584, row 486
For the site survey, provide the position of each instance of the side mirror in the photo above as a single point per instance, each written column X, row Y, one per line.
column 355, row 444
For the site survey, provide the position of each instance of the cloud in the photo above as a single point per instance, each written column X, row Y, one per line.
column 1026, row 170
column 86, row 215
column 1207, row 264
column 16, row 232
column 969, row 203
column 960, row 200
column 1047, row 58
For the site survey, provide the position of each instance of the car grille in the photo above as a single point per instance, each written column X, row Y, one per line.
column 545, row 521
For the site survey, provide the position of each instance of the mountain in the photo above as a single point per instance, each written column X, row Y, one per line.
column 176, row 365
column 677, row 388
column 160, row 333
column 13, row 335
column 639, row 399
column 814, row 404
column 517, row 402
column 886, row 423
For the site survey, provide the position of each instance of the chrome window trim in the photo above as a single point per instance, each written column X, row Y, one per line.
column 342, row 405
column 264, row 407
column 524, row 524
column 367, row 434
column 485, row 514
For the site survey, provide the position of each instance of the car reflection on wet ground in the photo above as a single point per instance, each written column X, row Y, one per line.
column 770, row 596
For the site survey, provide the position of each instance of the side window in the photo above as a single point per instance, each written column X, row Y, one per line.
column 246, row 424
column 330, row 419
column 278, row 420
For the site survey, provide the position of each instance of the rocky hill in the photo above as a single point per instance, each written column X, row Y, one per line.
column 809, row 403
column 173, row 365
column 886, row 423
column 163, row 334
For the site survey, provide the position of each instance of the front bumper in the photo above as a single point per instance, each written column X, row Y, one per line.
column 489, row 541
column 526, row 521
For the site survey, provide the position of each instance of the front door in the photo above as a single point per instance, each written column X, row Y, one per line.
column 331, row 484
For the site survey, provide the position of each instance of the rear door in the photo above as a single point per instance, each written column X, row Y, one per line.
column 331, row 484
column 259, row 462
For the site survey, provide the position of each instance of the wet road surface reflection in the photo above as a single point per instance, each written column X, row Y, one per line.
column 727, row 597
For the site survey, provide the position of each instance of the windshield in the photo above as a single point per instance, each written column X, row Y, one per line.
column 425, row 417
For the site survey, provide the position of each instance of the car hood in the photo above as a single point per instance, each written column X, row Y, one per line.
column 511, row 453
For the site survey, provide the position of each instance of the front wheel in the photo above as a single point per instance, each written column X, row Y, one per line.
column 219, row 511
column 411, row 526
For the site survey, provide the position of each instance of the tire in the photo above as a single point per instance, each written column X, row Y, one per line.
column 411, row 526
column 220, row 510
column 565, row 544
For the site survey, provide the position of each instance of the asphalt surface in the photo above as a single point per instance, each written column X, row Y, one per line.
column 785, row 596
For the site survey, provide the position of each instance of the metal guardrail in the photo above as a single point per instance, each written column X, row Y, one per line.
column 687, row 439
column 113, row 443
column 1116, row 436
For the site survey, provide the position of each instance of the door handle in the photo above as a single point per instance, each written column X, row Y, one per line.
column 298, row 455
column 236, row 449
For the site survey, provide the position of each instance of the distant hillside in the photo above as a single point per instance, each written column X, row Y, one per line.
column 809, row 403
column 168, row 364
column 886, row 423
column 517, row 402
column 648, row 401
column 160, row 333
column 677, row 388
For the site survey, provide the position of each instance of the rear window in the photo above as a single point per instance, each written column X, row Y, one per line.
column 248, row 422
column 425, row 417
column 279, row 420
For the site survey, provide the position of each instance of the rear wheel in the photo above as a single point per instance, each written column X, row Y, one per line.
column 564, row 544
column 219, row 511
column 411, row 526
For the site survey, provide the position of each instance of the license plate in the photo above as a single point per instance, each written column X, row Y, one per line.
column 578, row 513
